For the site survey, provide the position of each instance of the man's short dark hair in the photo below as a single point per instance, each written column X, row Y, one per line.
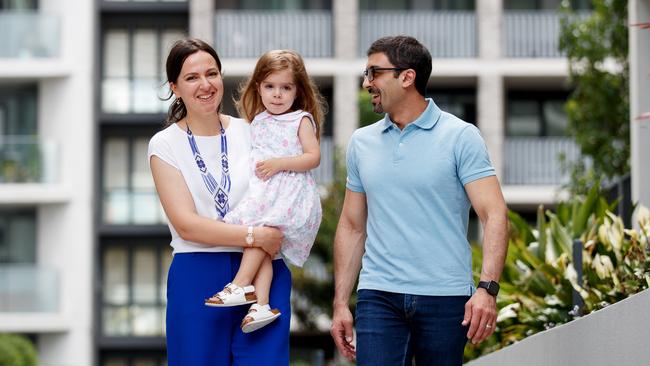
column 408, row 53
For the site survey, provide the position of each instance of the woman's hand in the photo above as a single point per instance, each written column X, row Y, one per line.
column 268, row 239
column 264, row 170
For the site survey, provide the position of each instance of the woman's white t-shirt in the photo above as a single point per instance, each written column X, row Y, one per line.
column 171, row 145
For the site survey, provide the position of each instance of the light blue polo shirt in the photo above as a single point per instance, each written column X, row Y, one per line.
column 417, row 205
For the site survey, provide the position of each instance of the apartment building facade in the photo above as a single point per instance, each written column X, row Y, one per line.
column 46, row 184
column 84, row 244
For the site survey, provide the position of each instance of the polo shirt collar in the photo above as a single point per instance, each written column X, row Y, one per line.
column 425, row 121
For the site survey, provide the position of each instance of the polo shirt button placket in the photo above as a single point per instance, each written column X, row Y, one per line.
column 398, row 152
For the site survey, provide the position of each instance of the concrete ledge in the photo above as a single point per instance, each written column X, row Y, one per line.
column 531, row 196
column 33, row 69
column 33, row 323
column 617, row 335
column 34, row 194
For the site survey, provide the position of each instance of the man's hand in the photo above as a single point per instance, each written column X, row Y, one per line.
column 342, row 331
column 481, row 315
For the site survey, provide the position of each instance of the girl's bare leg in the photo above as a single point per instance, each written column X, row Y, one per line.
column 263, row 281
column 251, row 262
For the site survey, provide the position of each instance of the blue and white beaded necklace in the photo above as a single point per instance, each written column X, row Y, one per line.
column 219, row 192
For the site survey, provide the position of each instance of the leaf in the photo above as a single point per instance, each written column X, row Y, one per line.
column 584, row 210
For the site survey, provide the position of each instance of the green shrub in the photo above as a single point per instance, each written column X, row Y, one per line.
column 16, row 350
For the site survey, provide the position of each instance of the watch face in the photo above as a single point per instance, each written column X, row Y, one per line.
column 492, row 287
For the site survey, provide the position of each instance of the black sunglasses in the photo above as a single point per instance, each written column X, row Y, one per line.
column 369, row 73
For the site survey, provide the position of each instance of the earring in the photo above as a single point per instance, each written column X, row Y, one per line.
column 178, row 101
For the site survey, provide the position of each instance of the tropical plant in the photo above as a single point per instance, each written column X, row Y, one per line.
column 540, row 276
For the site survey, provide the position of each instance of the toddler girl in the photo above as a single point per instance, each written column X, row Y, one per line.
column 286, row 111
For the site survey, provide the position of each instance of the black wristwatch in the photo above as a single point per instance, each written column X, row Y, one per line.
column 492, row 287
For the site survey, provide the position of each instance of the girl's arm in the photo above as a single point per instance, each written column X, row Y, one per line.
column 179, row 206
column 309, row 159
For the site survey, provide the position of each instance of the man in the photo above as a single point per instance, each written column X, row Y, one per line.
column 411, row 179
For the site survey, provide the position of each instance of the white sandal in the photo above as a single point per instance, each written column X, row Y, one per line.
column 233, row 295
column 259, row 316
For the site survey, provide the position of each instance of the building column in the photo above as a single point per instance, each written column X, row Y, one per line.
column 489, row 16
column 639, row 12
column 490, row 90
column 490, row 116
column 202, row 20
column 346, row 85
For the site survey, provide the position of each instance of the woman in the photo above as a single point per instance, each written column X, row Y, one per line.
column 200, row 166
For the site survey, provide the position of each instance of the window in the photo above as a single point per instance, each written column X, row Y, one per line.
column 18, row 110
column 544, row 4
column 274, row 4
column 20, row 151
column 459, row 102
column 416, row 5
column 134, row 359
column 18, row 4
column 134, row 292
column 536, row 114
column 133, row 75
column 17, row 235
column 129, row 195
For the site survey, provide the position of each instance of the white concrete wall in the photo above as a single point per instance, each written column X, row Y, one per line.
column 65, row 240
column 639, row 12
column 617, row 335
column 202, row 20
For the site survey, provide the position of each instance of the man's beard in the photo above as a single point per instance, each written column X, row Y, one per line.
column 376, row 107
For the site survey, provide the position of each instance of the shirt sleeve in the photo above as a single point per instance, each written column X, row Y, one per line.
column 161, row 148
column 353, row 181
column 472, row 159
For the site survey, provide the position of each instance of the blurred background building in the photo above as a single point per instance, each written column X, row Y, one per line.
column 83, row 240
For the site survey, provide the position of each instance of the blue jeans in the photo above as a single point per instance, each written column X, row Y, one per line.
column 393, row 328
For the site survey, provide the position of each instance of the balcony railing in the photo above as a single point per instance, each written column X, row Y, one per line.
column 133, row 207
column 248, row 34
column 25, row 159
column 535, row 160
column 26, row 288
column 28, row 34
column 444, row 33
column 134, row 95
column 533, row 33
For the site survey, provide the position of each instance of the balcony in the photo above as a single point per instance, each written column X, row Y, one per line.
column 28, row 288
column 445, row 33
column 29, row 35
column 535, row 160
column 248, row 34
column 25, row 159
column 533, row 34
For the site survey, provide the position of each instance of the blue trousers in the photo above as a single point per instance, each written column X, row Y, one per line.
column 393, row 328
column 199, row 335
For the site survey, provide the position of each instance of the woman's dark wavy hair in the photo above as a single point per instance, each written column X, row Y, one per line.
column 180, row 51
